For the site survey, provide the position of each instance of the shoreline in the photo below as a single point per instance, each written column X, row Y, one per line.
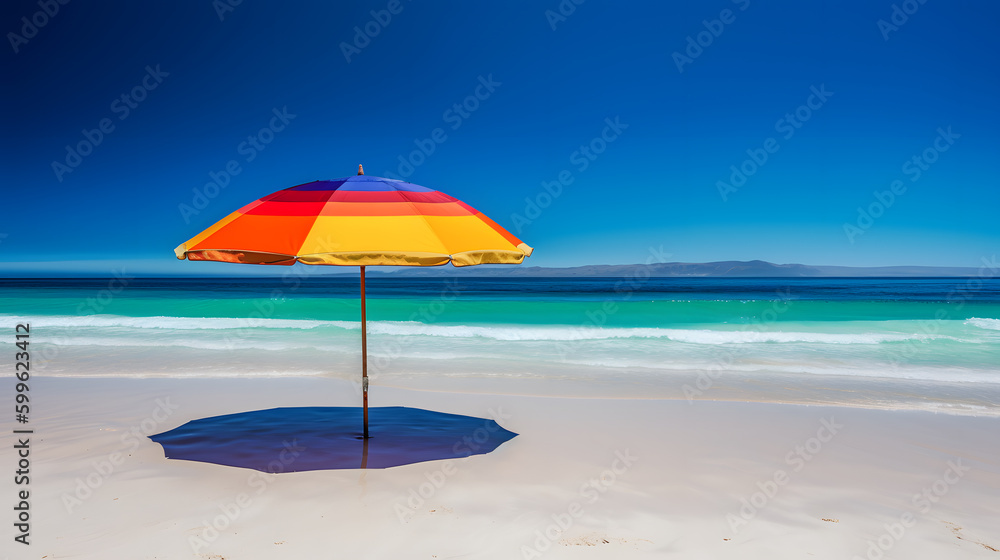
column 965, row 398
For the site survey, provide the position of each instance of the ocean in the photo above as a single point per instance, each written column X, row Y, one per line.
column 651, row 331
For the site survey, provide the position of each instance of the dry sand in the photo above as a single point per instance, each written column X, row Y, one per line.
column 586, row 478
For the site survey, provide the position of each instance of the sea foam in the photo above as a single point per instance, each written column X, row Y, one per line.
column 179, row 323
column 989, row 324
column 553, row 333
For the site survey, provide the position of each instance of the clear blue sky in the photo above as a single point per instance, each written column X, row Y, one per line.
column 197, row 85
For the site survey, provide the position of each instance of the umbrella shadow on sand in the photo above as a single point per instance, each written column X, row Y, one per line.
column 321, row 438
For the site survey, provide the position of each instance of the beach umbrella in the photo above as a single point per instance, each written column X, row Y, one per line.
column 356, row 221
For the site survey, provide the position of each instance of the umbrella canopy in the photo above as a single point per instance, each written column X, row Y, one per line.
column 359, row 221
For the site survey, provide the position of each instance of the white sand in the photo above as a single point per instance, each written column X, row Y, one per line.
column 681, row 496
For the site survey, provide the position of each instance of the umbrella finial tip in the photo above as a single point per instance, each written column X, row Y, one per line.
column 361, row 170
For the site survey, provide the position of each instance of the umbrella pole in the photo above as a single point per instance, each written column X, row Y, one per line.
column 364, row 352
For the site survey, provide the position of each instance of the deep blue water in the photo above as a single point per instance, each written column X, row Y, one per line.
column 684, row 288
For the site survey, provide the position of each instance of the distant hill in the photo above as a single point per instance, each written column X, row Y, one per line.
column 721, row 269
column 732, row 269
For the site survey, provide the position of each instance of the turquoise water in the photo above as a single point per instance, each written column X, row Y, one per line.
column 929, row 329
